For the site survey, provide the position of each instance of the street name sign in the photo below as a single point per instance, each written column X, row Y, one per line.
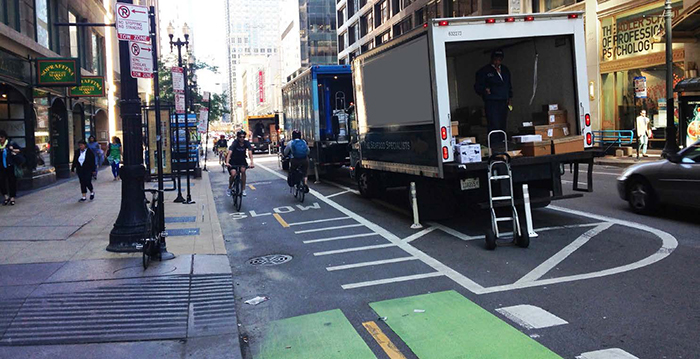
column 132, row 22
column 141, row 60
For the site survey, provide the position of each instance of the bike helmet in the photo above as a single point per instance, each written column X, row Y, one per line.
column 296, row 134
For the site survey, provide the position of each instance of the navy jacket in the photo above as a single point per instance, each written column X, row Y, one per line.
column 487, row 77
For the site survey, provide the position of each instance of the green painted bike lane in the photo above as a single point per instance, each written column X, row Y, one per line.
column 448, row 325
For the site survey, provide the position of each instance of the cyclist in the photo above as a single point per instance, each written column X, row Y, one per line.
column 298, row 151
column 221, row 146
column 237, row 158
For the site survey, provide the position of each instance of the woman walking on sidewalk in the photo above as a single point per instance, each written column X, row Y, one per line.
column 94, row 146
column 114, row 156
column 84, row 162
column 8, row 180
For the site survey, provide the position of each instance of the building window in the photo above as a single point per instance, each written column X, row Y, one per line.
column 341, row 17
column 41, row 9
column 73, row 34
column 395, row 7
column 385, row 37
column 403, row 27
column 367, row 24
column 9, row 13
column 553, row 4
column 97, row 54
column 341, row 42
column 383, row 12
column 405, row 3
column 460, row 8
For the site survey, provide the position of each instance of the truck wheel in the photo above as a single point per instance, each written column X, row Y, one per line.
column 490, row 240
column 523, row 239
column 367, row 184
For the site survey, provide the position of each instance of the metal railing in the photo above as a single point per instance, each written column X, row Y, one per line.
column 610, row 138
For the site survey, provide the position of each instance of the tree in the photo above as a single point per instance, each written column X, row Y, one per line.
column 165, row 81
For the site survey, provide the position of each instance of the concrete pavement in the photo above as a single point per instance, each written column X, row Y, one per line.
column 64, row 295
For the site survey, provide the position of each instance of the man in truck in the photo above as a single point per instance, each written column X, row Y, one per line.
column 494, row 86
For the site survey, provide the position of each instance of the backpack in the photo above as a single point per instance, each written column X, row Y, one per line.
column 299, row 149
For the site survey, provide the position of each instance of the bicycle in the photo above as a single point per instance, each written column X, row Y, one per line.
column 222, row 159
column 299, row 189
column 154, row 235
column 236, row 190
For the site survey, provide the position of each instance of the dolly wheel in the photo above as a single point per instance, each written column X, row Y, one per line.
column 523, row 239
column 490, row 240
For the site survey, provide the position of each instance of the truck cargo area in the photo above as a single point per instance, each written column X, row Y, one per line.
column 540, row 65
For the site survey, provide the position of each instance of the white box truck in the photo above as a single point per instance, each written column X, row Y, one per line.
column 410, row 92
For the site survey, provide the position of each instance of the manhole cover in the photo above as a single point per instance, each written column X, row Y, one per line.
column 270, row 260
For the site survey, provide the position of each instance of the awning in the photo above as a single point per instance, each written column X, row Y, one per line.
column 688, row 85
column 686, row 27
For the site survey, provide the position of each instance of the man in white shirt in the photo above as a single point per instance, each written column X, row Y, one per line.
column 643, row 133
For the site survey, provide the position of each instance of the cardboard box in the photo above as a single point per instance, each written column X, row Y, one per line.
column 463, row 140
column 548, row 132
column 468, row 153
column 533, row 149
column 527, row 138
column 455, row 128
column 567, row 145
column 558, row 116
column 553, row 107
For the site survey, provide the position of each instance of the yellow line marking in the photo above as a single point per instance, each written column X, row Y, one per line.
column 279, row 219
column 251, row 187
column 389, row 348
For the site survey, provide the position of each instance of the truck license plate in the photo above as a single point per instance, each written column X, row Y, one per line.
column 469, row 183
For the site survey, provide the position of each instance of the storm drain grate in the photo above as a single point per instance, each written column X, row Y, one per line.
column 270, row 260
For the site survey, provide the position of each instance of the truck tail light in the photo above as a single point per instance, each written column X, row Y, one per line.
column 573, row 16
column 425, row 25
column 588, row 120
column 445, row 152
column 529, row 18
column 443, row 132
column 491, row 21
column 510, row 19
column 443, row 23
column 589, row 139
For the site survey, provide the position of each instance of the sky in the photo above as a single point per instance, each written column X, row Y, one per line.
column 207, row 21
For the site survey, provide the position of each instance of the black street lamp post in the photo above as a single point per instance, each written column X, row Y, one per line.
column 179, row 44
column 670, row 145
column 132, row 221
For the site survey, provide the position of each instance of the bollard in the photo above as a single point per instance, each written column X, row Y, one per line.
column 528, row 213
column 414, row 201
column 318, row 179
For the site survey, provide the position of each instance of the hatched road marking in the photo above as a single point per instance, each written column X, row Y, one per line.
column 354, row 249
column 612, row 353
column 328, row 228
column 373, row 263
column 391, row 280
column 531, row 317
column 340, row 237
column 318, row 221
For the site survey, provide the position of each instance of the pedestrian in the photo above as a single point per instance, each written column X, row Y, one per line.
column 84, row 166
column 643, row 133
column 9, row 153
column 94, row 146
column 114, row 156
column 494, row 86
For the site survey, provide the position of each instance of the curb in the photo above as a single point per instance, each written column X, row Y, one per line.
column 622, row 163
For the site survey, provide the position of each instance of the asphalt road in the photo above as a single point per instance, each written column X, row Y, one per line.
column 598, row 279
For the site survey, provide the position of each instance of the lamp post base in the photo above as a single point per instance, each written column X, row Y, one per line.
column 131, row 225
column 670, row 145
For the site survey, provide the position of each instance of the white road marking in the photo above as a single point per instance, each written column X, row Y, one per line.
column 552, row 262
column 368, row 264
column 318, row 221
column 531, row 317
column 453, row 232
column 340, row 237
column 465, row 237
column 669, row 244
column 341, row 186
column 337, row 194
column 354, row 249
column 391, row 280
column 415, row 236
column 328, row 228
column 612, row 353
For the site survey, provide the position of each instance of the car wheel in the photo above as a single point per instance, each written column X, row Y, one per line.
column 640, row 197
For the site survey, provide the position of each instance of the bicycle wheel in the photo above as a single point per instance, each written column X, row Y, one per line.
column 146, row 257
column 302, row 193
column 237, row 194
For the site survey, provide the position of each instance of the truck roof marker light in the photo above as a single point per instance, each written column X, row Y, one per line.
column 425, row 25
column 510, row 19
column 490, row 21
column 573, row 16
column 445, row 152
column 443, row 23
column 588, row 120
column 589, row 138
column 443, row 132
column 529, row 18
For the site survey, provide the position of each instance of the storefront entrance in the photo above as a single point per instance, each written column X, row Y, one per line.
column 78, row 125
column 58, row 129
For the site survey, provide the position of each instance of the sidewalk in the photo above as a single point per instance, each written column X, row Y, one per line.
column 626, row 161
column 63, row 295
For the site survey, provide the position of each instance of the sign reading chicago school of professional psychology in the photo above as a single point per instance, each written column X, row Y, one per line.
column 57, row 72
column 132, row 22
column 634, row 32
column 90, row 86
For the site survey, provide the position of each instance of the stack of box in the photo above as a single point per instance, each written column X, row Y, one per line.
column 554, row 136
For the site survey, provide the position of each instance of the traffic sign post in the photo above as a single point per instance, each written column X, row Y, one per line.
column 141, row 60
column 132, row 22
